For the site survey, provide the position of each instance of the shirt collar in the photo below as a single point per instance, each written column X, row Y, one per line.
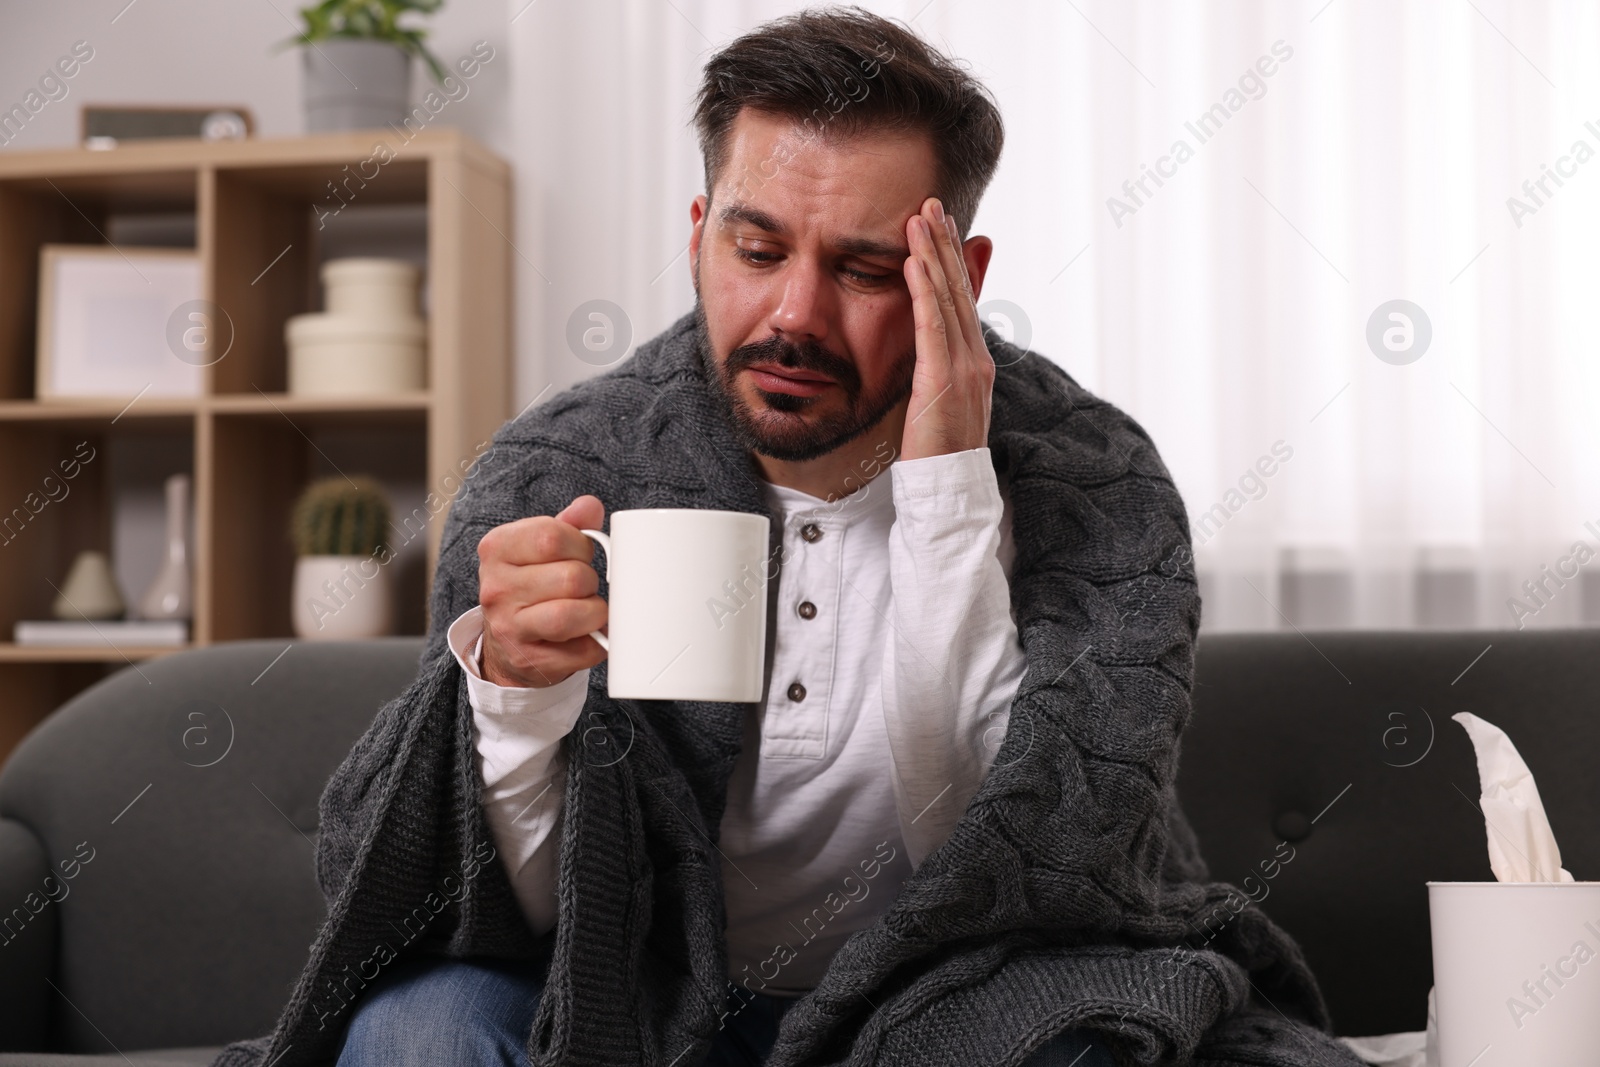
column 790, row 502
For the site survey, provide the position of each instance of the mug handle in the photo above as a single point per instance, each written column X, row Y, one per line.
column 605, row 545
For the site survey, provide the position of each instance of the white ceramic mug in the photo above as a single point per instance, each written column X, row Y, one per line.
column 688, row 604
column 1516, row 973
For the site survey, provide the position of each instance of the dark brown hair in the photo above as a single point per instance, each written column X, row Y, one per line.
column 842, row 71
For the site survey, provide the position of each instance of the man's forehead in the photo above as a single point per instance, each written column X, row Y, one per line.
column 767, row 141
column 780, row 176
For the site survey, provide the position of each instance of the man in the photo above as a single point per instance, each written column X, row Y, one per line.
column 943, row 836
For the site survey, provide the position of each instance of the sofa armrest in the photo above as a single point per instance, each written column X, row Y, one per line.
column 27, row 940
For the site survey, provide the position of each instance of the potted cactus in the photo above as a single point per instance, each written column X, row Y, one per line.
column 343, row 588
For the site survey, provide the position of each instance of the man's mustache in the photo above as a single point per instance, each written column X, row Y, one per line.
column 810, row 356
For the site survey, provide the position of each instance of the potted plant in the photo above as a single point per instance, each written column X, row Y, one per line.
column 343, row 587
column 357, row 61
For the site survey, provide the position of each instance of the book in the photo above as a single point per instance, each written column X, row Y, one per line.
column 108, row 633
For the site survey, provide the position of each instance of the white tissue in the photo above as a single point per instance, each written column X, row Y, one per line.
column 1418, row 1048
column 1521, row 846
column 1391, row 1050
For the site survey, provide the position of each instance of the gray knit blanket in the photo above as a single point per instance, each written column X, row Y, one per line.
column 1070, row 894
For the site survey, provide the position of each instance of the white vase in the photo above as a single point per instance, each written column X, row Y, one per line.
column 342, row 598
column 169, row 595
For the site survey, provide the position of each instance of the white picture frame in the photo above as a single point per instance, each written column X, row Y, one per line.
column 105, row 316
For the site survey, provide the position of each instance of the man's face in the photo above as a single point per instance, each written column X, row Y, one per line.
column 802, row 306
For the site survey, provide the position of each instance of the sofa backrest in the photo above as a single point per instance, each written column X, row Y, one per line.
column 1286, row 725
column 186, row 793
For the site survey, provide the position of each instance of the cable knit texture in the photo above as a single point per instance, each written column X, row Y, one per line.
column 1070, row 894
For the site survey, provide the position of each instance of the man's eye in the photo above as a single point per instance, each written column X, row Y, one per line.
column 863, row 277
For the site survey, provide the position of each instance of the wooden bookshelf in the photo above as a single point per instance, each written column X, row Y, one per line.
column 255, row 207
column 14, row 653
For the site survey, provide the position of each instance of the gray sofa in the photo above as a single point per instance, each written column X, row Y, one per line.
column 181, row 799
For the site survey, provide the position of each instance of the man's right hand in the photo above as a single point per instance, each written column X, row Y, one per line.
column 539, row 597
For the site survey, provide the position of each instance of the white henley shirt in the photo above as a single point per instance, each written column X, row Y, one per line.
column 895, row 661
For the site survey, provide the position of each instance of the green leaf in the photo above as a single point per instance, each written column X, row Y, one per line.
column 375, row 20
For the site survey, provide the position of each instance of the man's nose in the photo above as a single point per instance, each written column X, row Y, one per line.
column 805, row 304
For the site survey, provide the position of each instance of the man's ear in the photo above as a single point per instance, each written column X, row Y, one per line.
column 977, row 252
column 697, row 216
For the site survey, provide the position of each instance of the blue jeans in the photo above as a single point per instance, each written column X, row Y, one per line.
column 477, row 1013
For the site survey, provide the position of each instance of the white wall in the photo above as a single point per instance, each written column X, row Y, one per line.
column 210, row 52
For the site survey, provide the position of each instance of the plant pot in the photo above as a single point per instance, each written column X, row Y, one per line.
column 342, row 598
column 354, row 84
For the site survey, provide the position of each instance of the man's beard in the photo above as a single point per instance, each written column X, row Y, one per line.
column 776, row 432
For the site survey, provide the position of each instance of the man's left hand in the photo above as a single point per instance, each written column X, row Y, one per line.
column 954, row 377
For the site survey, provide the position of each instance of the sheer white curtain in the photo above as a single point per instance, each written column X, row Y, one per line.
column 1334, row 157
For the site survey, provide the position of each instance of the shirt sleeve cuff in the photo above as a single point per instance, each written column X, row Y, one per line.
column 957, row 488
column 563, row 700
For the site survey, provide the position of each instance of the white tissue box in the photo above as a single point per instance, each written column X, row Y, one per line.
column 1516, row 968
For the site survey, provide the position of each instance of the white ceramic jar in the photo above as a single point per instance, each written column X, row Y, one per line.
column 371, row 287
column 339, row 355
column 371, row 341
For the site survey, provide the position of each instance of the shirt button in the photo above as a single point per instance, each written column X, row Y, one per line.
column 810, row 531
column 807, row 609
column 797, row 692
